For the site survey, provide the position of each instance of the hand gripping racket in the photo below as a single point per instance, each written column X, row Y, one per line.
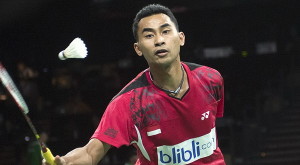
column 13, row 90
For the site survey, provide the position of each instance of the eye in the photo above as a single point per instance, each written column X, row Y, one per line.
column 149, row 36
column 166, row 31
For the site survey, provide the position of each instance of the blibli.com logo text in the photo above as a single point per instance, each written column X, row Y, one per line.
column 188, row 151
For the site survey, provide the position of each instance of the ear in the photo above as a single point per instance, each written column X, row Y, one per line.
column 182, row 38
column 137, row 49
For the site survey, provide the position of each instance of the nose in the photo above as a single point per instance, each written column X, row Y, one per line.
column 159, row 41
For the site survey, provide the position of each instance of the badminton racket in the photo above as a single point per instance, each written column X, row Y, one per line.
column 13, row 90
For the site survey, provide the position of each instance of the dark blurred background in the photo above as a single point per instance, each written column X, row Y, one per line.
column 255, row 44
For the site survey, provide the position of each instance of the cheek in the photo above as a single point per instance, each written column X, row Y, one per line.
column 176, row 43
column 145, row 46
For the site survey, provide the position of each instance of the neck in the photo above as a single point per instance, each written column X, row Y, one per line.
column 168, row 79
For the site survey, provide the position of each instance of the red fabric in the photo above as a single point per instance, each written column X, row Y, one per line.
column 146, row 106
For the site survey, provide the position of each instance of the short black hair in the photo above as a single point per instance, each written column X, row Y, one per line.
column 149, row 10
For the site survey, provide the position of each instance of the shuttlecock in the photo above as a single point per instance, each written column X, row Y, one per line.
column 76, row 49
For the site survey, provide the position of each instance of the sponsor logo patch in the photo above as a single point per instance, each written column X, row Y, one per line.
column 188, row 151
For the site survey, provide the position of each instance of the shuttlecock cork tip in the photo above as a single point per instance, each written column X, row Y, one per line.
column 61, row 55
column 76, row 49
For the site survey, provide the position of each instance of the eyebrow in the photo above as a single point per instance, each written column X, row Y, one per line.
column 165, row 25
column 151, row 29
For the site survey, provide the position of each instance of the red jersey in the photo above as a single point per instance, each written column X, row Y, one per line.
column 164, row 129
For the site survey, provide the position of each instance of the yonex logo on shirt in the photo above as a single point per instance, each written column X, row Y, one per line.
column 205, row 115
column 187, row 151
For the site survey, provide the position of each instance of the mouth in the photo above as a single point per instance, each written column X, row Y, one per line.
column 161, row 52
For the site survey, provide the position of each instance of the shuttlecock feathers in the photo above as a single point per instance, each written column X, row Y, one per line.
column 76, row 49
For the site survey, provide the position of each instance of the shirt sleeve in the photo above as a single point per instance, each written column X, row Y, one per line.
column 220, row 109
column 115, row 125
column 216, row 88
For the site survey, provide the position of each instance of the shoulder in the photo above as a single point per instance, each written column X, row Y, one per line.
column 203, row 71
column 139, row 81
column 192, row 66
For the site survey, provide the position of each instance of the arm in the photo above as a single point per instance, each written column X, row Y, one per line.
column 90, row 154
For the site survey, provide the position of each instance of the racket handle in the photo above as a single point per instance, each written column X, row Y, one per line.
column 48, row 156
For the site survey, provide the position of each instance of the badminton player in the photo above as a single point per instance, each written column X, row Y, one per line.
column 168, row 111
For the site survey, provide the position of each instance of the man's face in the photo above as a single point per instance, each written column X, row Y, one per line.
column 158, row 40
